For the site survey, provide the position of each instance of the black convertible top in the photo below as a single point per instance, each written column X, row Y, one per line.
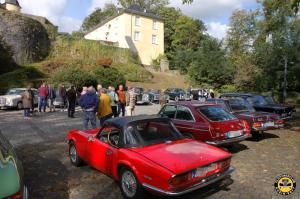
column 121, row 122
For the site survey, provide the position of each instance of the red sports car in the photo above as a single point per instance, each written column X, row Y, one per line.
column 147, row 152
column 210, row 123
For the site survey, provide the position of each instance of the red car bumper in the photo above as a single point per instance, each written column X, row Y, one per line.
column 205, row 182
column 229, row 141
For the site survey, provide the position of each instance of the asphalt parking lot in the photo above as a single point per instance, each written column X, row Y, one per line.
column 40, row 144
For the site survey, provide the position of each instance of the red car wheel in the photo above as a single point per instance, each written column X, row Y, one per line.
column 75, row 159
column 129, row 184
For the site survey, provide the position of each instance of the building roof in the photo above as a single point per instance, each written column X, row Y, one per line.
column 14, row 2
column 134, row 9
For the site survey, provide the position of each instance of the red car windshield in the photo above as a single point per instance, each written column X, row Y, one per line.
column 216, row 113
column 148, row 133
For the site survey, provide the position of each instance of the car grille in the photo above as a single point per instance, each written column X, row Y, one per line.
column 2, row 101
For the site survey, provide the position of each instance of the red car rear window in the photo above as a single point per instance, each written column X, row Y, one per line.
column 216, row 113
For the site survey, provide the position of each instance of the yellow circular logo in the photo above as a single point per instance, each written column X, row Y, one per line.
column 285, row 184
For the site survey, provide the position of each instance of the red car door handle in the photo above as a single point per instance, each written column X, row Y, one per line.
column 108, row 152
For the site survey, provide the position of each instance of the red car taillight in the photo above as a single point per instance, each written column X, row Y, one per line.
column 279, row 122
column 181, row 179
column 17, row 195
column 246, row 126
column 257, row 125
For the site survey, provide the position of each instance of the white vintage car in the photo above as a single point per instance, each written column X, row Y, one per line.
column 12, row 99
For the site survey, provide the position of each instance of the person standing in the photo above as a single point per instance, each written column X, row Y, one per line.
column 130, row 101
column 63, row 96
column 99, row 87
column 51, row 97
column 89, row 103
column 43, row 93
column 104, row 108
column 26, row 101
column 163, row 98
column 71, row 96
column 122, row 100
column 32, row 100
column 114, row 100
column 211, row 94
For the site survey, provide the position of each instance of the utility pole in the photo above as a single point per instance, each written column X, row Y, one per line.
column 285, row 81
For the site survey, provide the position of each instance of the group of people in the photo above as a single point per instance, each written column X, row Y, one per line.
column 105, row 103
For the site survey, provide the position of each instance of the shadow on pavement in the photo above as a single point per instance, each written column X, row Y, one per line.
column 256, row 137
column 44, row 177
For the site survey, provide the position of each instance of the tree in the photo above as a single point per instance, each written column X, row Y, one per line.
column 209, row 65
column 147, row 4
column 6, row 57
column 170, row 16
column 187, row 34
column 98, row 16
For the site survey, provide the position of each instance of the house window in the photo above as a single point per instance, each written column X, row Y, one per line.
column 137, row 36
column 137, row 21
column 154, row 25
column 154, row 39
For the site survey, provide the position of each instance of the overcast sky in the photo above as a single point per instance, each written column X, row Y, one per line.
column 68, row 14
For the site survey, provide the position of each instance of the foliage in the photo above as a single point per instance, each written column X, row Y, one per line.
column 75, row 76
column 23, row 76
column 156, row 62
column 228, row 88
column 77, row 34
column 170, row 15
column 109, row 76
column 147, row 4
column 187, row 34
column 98, row 16
column 133, row 72
column 209, row 65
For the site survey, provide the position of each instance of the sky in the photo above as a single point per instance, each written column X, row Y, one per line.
column 69, row 14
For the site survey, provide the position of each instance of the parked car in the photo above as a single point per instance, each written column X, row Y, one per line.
column 259, row 121
column 154, row 95
column 141, row 97
column 148, row 152
column 11, row 172
column 260, row 104
column 177, row 94
column 12, row 99
column 206, row 122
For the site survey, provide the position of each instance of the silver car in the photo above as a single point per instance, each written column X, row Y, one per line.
column 12, row 99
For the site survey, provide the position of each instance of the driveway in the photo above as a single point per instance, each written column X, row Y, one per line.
column 41, row 145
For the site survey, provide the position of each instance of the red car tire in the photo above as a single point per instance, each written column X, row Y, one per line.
column 74, row 158
column 129, row 184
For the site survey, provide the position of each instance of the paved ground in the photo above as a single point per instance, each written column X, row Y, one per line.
column 41, row 145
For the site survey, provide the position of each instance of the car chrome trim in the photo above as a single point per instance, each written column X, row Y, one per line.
column 206, row 181
column 25, row 193
column 227, row 141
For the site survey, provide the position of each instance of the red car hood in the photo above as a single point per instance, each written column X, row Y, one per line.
column 183, row 155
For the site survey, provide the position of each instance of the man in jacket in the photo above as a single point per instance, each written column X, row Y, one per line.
column 104, row 110
column 122, row 100
column 71, row 96
column 89, row 103
column 27, row 104
column 130, row 101
column 51, row 97
column 114, row 100
column 43, row 93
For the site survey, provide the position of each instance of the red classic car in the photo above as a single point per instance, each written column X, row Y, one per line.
column 148, row 152
column 259, row 121
column 206, row 122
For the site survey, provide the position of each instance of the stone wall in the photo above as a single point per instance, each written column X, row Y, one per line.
column 27, row 37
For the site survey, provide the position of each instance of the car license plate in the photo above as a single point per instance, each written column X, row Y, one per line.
column 233, row 134
column 269, row 124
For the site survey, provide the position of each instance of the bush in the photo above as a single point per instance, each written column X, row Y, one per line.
column 75, row 76
column 109, row 76
column 134, row 73
column 227, row 89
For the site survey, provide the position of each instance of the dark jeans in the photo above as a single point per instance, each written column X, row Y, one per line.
column 121, row 109
column 26, row 112
column 103, row 119
column 115, row 111
column 43, row 104
column 89, row 116
column 71, row 108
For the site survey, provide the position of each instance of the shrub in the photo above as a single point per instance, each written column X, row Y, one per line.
column 109, row 76
column 227, row 89
column 75, row 76
column 134, row 73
